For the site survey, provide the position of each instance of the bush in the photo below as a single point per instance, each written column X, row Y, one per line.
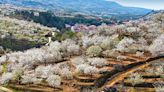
column 90, row 70
column 66, row 74
column 159, row 86
column 86, row 69
column 94, row 51
column 86, row 41
column 106, row 44
column 68, row 35
column 1, row 69
column 98, row 62
column 124, row 43
column 157, row 69
column 121, row 57
column 44, row 71
column 4, row 68
column 134, row 48
column 55, row 46
column 157, row 47
column 73, row 49
column 135, row 78
column 54, row 80
column 66, row 43
column 17, row 74
column 110, row 42
column 80, row 68
column 139, row 54
column 111, row 53
column 29, row 79
column 94, row 40
column 77, row 61
column 6, row 78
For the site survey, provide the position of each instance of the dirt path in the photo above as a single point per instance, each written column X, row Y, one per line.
column 110, row 78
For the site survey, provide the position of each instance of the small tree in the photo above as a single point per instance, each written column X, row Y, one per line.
column 94, row 51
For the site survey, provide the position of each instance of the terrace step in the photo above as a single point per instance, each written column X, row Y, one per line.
column 84, row 83
column 140, row 89
column 87, row 78
column 134, row 57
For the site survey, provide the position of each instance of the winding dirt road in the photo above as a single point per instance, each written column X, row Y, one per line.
column 111, row 78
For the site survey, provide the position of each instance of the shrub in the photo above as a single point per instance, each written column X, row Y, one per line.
column 159, row 86
column 57, row 56
column 97, row 39
column 121, row 57
column 86, row 41
column 55, row 46
column 80, row 68
column 4, row 68
column 111, row 53
column 29, row 79
column 67, row 43
column 94, row 51
column 86, row 69
column 94, row 40
column 17, row 74
column 98, row 62
column 110, row 42
column 69, row 47
column 56, row 69
column 44, row 71
column 73, row 49
column 139, row 54
column 124, row 43
column 91, row 70
column 104, row 28
column 33, row 56
column 68, row 35
column 77, row 61
column 157, row 47
column 133, row 48
column 135, row 78
column 106, row 44
column 53, row 52
column 66, row 73
column 54, row 80
column 1, row 69
column 6, row 78
column 157, row 68
column 3, row 59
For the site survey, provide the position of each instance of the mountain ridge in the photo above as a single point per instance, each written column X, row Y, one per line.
column 89, row 7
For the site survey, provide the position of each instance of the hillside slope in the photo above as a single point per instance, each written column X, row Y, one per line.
column 100, row 8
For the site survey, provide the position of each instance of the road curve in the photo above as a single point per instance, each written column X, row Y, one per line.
column 112, row 77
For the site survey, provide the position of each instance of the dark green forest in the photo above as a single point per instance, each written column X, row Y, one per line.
column 50, row 20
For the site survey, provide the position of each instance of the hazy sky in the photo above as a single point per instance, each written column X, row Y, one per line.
column 151, row 4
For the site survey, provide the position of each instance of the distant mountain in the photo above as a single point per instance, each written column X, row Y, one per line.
column 100, row 8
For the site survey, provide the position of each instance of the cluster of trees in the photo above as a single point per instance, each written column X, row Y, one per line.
column 136, row 37
column 18, row 44
column 19, row 35
column 50, row 20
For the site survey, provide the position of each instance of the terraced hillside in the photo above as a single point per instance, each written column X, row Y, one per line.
column 21, row 35
column 120, row 58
